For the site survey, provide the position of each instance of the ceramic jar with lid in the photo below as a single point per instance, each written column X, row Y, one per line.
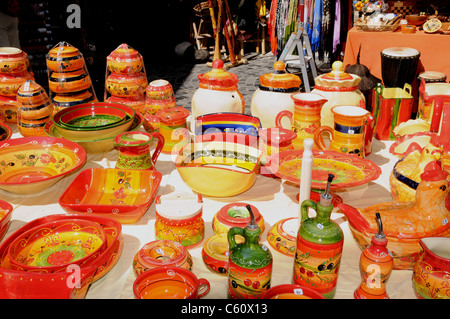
column 124, row 60
column 339, row 88
column 274, row 94
column 179, row 218
column 235, row 215
column 217, row 92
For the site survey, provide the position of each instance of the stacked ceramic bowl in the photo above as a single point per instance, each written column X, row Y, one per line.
column 68, row 77
column 14, row 71
column 93, row 125
column 35, row 110
column 159, row 96
column 126, row 79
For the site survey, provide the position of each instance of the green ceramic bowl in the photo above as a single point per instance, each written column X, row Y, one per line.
column 92, row 118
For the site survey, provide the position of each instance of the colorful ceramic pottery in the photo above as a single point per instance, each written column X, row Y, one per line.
column 125, row 60
column 64, row 100
column 405, row 223
column 274, row 94
column 250, row 263
column 123, row 195
column 306, row 118
column 171, row 124
column 5, row 132
column 432, row 270
column 338, row 88
column 35, row 111
column 215, row 253
column 391, row 107
column 158, row 96
column 13, row 60
column 161, row 253
column 126, row 85
column 376, row 266
column 218, row 169
column 235, row 215
column 179, row 218
column 134, row 150
column 401, row 145
column 217, row 92
column 427, row 98
column 10, row 83
column 5, row 217
column 54, row 246
column 411, row 127
column 64, row 58
column 89, row 118
column 9, row 108
column 352, row 131
column 169, row 283
column 136, row 102
column 290, row 291
column 32, row 164
column 67, row 82
column 349, row 170
column 319, row 247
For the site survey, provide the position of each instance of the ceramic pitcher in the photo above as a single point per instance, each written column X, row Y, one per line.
column 352, row 133
column 431, row 272
column 306, row 118
column 134, row 150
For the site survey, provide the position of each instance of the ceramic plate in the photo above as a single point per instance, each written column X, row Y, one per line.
column 349, row 170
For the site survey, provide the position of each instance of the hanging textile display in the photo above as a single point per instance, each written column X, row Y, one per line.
column 337, row 26
column 316, row 32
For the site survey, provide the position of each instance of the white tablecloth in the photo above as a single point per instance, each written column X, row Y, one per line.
column 274, row 198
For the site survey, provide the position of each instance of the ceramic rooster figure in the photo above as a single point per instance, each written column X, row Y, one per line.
column 405, row 176
column 405, row 223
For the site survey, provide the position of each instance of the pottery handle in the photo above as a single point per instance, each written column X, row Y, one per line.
column 159, row 146
column 318, row 139
column 231, row 236
column 436, row 114
column 368, row 134
column 281, row 115
column 203, row 287
column 309, row 203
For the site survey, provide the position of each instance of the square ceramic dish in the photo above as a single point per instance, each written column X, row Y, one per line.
column 124, row 195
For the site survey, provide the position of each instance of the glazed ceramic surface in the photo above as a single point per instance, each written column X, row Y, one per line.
column 235, row 215
column 217, row 92
column 67, row 82
column 431, row 272
column 88, row 118
column 9, row 107
column 169, row 283
column 274, row 94
column 126, row 85
column 352, row 131
column 161, row 253
column 291, row 291
column 401, row 145
column 158, row 96
column 215, row 253
column 32, row 164
column 405, row 223
column 64, row 100
column 5, row 132
column 179, row 218
column 427, row 98
column 218, row 169
column 339, row 88
column 63, row 57
column 349, row 170
column 10, row 83
column 125, row 60
column 123, row 195
column 13, row 60
column 5, row 217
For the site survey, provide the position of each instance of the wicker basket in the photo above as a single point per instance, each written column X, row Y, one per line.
column 376, row 27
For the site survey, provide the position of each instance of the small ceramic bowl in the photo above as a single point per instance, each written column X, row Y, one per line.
column 63, row 100
column 137, row 102
column 68, row 82
column 10, row 83
column 161, row 253
column 159, row 90
column 290, row 291
column 5, row 131
column 124, row 195
column 64, row 58
column 5, row 217
column 93, row 117
column 126, row 85
column 415, row 19
column 53, row 246
column 32, row 164
column 13, row 60
column 215, row 253
column 235, row 215
column 169, row 283
column 400, row 146
column 218, row 169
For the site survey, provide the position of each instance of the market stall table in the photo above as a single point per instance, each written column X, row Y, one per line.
column 274, row 198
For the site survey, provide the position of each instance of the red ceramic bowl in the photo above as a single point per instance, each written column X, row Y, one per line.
column 93, row 117
column 54, row 246
column 124, row 195
column 35, row 163
column 5, row 131
column 5, row 217
column 289, row 291
column 169, row 283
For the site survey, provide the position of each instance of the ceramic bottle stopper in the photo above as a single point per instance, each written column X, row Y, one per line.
column 319, row 247
column 376, row 266
column 250, row 263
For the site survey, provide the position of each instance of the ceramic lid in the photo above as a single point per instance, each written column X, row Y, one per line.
column 172, row 114
column 279, row 80
column 179, row 205
column 337, row 77
column 63, row 49
column 30, row 88
column 124, row 52
column 218, row 78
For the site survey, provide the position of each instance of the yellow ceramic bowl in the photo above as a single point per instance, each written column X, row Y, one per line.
column 218, row 169
column 32, row 164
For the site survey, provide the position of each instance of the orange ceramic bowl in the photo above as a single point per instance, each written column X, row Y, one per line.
column 169, row 283
column 61, row 101
column 68, row 82
column 126, row 85
column 161, row 253
column 289, row 291
column 13, row 60
column 124, row 60
column 64, row 58
column 5, row 132
column 124, row 195
column 218, row 169
column 32, row 164
column 10, row 83
column 93, row 118
column 54, row 246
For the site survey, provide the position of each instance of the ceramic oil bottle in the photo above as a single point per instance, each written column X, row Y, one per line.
column 319, row 246
column 376, row 266
column 250, row 263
